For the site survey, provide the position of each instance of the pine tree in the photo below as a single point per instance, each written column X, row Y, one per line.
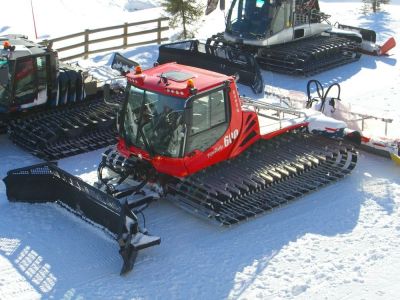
column 185, row 12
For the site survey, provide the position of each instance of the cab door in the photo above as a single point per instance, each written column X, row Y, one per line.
column 209, row 115
column 30, row 82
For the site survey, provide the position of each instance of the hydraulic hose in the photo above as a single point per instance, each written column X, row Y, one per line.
column 322, row 95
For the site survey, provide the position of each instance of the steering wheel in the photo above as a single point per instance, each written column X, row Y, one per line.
column 168, row 117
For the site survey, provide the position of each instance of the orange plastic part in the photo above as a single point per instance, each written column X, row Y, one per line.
column 389, row 44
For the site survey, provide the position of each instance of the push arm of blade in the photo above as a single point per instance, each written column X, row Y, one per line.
column 145, row 201
column 131, row 238
column 129, row 191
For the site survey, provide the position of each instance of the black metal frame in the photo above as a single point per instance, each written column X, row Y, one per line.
column 248, row 70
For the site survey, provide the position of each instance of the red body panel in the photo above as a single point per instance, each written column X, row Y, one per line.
column 249, row 134
column 128, row 151
column 168, row 165
column 165, row 165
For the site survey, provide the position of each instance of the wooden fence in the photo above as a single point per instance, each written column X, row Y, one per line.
column 126, row 33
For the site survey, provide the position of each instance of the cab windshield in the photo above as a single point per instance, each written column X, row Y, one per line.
column 250, row 19
column 4, row 82
column 153, row 122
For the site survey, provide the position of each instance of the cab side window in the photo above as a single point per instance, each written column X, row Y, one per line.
column 209, row 121
column 41, row 72
column 25, row 90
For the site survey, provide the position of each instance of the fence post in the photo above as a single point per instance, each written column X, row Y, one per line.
column 125, row 44
column 159, row 32
column 86, row 43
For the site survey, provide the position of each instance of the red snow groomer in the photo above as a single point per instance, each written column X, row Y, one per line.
column 186, row 135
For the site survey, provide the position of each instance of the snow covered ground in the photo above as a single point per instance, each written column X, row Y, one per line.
column 339, row 243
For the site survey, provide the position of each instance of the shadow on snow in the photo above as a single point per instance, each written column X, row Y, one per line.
column 62, row 256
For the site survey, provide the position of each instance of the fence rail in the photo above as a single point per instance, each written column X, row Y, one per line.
column 88, row 40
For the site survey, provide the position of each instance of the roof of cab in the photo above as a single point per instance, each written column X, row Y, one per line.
column 24, row 46
column 176, row 76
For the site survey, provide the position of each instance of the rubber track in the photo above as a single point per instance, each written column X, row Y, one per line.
column 269, row 175
column 66, row 131
column 309, row 56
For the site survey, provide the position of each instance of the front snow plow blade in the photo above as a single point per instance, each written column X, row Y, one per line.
column 270, row 174
column 215, row 57
column 47, row 183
